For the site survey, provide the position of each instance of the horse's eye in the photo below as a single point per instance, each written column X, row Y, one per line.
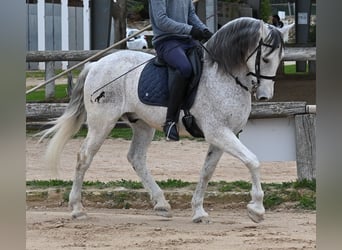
column 265, row 60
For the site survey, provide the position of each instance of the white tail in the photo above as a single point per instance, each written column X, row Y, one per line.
column 67, row 125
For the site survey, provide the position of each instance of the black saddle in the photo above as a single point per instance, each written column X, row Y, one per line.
column 153, row 86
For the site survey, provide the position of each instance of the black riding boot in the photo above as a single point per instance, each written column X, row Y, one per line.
column 178, row 86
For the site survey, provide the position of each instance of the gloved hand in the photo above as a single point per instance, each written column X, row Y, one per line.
column 197, row 33
column 200, row 34
column 207, row 34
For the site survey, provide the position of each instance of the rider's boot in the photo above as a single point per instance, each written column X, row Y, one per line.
column 178, row 86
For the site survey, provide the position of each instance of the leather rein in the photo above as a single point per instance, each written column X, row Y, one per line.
column 257, row 73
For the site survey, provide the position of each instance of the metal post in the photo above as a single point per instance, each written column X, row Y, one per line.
column 207, row 12
column 303, row 12
column 100, row 24
column 255, row 4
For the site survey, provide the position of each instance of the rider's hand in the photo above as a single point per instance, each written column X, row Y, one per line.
column 197, row 34
column 207, row 34
column 200, row 34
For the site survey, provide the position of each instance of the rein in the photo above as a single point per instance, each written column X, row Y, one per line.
column 257, row 74
column 237, row 81
column 257, row 64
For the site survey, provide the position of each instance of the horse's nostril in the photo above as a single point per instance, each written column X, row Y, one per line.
column 263, row 98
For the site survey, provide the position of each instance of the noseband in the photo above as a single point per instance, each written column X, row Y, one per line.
column 257, row 64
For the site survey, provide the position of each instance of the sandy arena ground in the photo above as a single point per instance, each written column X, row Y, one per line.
column 142, row 229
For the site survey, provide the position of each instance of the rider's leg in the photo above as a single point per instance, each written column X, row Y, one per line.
column 173, row 52
column 178, row 86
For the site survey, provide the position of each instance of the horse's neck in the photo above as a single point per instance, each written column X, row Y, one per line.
column 222, row 80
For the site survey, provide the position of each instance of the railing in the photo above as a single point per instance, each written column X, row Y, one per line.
column 304, row 115
column 291, row 54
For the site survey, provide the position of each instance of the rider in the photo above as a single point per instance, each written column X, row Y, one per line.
column 176, row 27
column 276, row 21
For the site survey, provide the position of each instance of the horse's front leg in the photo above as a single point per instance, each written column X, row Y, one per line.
column 232, row 145
column 142, row 137
column 213, row 156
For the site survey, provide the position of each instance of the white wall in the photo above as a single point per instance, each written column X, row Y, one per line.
column 271, row 139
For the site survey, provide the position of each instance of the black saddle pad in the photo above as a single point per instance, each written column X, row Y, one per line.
column 153, row 85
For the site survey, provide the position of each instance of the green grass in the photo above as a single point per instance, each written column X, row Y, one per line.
column 39, row 94
column 172, row 183
column 300, row 193
column 60, row 89
column 41, row 73
column 291, row 70
column 233, row 186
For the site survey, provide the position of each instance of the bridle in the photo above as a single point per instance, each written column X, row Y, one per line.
column 257, row 74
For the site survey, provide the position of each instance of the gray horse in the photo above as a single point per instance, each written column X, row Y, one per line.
column 240, row 60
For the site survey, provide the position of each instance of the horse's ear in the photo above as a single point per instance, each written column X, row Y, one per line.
column 285, row 31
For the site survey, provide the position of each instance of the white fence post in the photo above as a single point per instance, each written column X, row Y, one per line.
column 41, row 29
column 65, row 29
column 86, row 25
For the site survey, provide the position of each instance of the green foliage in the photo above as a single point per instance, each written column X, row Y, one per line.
column 172, row 183
column 122, row 183
column 135, row 5
column 265, row 10
column 49, row 183
column 234, row 186
column 271, row 200
column 307, row 202
column 66, row 195
column 130, row 184
column 308, row 184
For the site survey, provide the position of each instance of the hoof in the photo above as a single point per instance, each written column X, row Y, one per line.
column 202, row 219
column 256, row 215
column 164, row 212
column 79, row 215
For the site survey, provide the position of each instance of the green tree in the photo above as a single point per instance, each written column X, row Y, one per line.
column 137, row 9
column 265, row 10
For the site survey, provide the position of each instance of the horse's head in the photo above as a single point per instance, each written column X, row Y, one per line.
column 251, row 46
column 264, row 60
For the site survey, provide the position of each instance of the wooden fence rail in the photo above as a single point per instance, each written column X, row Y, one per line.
column 46, row 111
column 49, row 57
column 291, row 54
column 304, row 115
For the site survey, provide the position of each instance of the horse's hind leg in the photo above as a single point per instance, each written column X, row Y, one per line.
column 213, row 156
column 92, row 143
column 232, row 145
column 142, row 137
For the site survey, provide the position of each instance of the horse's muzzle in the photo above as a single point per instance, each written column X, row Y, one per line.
column 264, row 93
